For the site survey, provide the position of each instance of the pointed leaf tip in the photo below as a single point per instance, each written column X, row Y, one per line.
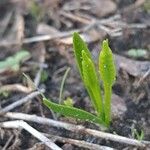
column 106, row 64
column 78, row 46
column 75, row 34
column 105, row 45
column 76, row 37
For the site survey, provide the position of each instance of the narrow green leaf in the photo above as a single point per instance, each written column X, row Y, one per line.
column 91, row 82
column 107, row 104
column 108, row 75
column 62, row 85
column 106, row 65
column 72, row 112
column 78, row 46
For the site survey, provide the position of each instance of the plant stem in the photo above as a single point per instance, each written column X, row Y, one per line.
column 62, row 85
column 100, row 106
column 107, row 103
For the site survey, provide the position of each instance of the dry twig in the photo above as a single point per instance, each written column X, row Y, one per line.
column 38, row 75
column 78, row 128
column 102, row 24
column 8, row 142
column 20, row 102
column 49, row 37
column 15, row 87
column 78, row 143
column 34, row 132
column 112, row 26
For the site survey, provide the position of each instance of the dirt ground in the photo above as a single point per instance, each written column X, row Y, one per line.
column 44, row 28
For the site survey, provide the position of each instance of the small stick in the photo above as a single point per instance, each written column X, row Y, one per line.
column 69, row 33
column 78, row 143
column 103, row 23
column 77, row 128
column 48, row 37
column 38, row 76
column 8, row 142
column 19, row 102
column 63, row 34
column 15, row 87
column 34, row 132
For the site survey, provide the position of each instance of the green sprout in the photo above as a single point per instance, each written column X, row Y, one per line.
column 68, row 102
column 108, row 75
column 90, row 78
column 137, row 135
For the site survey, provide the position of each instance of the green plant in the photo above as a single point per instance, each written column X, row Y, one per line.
column 137, row 135
column 44, row 76
column 68, row 102
column 90, row 78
